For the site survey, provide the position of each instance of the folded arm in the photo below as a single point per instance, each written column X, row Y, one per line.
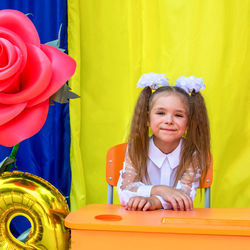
column 136, row 195
column 129, row 186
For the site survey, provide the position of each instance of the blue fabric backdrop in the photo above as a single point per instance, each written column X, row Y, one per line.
column 47, row 154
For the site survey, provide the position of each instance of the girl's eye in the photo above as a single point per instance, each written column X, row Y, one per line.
column 160, row 113
column 179, row 115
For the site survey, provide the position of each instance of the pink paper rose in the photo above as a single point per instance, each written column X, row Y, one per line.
column 30, row 73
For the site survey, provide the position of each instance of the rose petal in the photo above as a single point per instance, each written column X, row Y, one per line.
column 11, row 85
column 34, row 79
column 14, row 59
column 3, row 56
column 8, row 112
column 20, row 24
column 8, row 54
column 25, row 125
column 15, row 40
column 63, row 68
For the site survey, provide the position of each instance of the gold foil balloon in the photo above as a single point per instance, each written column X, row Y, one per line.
column 24, row 194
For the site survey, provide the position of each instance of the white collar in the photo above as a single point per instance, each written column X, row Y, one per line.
column 159, row 157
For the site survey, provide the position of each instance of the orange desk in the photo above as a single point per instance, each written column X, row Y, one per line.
column 101, row 227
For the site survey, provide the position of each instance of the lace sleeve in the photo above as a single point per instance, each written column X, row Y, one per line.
column 190, row 180
column 128, row 176
column 129, row 185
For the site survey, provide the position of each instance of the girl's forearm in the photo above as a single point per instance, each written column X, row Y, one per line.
column 161, row 190
column 156, row 190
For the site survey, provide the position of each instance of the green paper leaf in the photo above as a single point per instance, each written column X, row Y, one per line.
column 55, row 44
column 6, row 164
column 63, row 95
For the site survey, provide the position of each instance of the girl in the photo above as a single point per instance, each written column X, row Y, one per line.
column 164, row 171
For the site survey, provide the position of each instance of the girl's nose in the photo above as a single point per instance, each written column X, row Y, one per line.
column 168, row 119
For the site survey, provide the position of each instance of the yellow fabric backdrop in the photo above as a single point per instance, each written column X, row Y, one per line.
column 115, row 42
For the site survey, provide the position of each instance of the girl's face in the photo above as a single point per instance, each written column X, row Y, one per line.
column 168, row 120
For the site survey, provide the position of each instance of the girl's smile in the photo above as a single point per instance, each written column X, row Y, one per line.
column 168, row 129
column 168, row 120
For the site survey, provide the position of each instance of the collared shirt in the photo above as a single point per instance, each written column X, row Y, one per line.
column 161, row 170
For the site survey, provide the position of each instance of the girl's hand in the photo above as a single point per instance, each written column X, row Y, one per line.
column 177, row 198
column 140, row 203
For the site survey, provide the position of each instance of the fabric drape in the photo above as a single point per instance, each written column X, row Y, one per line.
column 115, row 42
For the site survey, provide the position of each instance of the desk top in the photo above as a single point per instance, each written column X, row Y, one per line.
column 215, row 221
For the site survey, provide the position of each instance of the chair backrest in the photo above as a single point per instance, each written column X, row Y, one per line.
column 114, row 163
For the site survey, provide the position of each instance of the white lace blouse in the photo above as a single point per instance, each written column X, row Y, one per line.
column 161, row 170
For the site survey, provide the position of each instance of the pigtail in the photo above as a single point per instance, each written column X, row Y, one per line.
column 196, row 146
column 138, row 139
column 199, row 132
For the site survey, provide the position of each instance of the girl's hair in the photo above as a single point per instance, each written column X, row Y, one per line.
column 196, row 146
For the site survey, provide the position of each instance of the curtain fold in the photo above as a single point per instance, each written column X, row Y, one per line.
column 78, row 191
column 115, row 42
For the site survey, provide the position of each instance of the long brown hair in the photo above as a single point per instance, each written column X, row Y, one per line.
column 197, row 141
